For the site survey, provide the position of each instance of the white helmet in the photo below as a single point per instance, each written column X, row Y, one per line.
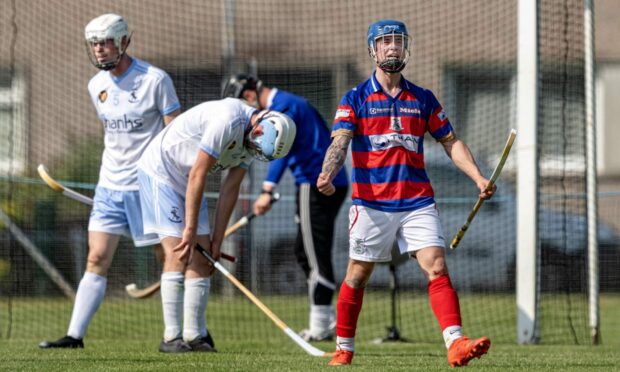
column 106, row 27
column 276, row 137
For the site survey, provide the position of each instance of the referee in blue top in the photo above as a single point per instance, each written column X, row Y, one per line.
column 316, row 212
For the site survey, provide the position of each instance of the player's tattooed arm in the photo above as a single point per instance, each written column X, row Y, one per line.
column 334, row 160
column 336, row 155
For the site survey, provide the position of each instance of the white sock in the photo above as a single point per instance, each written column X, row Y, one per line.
column 90, row 293
column 450, row 334
column 321, row 317
column 172, row 303
column 345, row 343
column 196, row 298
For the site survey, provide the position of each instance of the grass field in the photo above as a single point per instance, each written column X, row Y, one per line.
column 277, row 353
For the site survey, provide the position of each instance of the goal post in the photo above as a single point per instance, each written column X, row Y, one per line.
column 530, row 270
column 591, row 176
column 527, row 172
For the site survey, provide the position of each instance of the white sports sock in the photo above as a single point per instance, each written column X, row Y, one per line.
column 172, row 303
column 90, row 293
column 345, row 343
column 321, row 317
column 450, row 334
column 196, row 298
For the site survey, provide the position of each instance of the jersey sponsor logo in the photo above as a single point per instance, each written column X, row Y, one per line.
column 123, row 124
column 409, row 110
column 378, row 110
column 175, row 215
column 103, row 95
column 385, row 141
column 342, row 114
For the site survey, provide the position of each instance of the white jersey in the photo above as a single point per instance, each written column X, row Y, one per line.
column 131, row 108
column 215, row 127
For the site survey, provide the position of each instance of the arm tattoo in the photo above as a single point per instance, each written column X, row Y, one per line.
column 336, row 155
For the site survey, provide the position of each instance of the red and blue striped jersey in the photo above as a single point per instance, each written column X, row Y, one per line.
column 388, row 143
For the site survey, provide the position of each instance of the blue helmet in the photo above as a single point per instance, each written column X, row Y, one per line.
column 387, row 27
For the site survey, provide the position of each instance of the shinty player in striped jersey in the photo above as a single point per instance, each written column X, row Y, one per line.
column 385, row 119
column 134, row 100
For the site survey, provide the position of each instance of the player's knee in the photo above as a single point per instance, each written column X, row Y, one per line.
column 200, row 267
column 437, row 269
column 98, row 263
column 172, row 262
column 358, row 273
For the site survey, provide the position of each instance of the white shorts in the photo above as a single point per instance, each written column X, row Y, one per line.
column 119, row 213
column 372, row 232
column 163, row 209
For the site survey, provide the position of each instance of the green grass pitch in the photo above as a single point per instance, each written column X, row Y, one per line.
column 277, row 353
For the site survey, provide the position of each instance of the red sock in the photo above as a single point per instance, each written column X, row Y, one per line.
column 348, row 310
column 444, row 302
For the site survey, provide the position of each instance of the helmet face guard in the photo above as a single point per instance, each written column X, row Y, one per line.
column 388, row 45
column 262, row 140
column 104, row 28
column 271, row 137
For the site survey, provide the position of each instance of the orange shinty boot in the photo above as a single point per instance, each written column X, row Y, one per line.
column 463, row 350
column 341, row 358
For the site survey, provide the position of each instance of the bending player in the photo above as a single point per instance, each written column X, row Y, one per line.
column 212, row 136
column 385, row 118
column 316, row 212
column 134, row 100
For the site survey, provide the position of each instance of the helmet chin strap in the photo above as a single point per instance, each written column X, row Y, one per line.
column 392, row 65
column 107, row 66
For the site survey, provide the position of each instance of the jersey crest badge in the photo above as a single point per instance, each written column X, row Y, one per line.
column 175, row 215
column 103, row 95
column 395, row 123
column 132, row 97
column 358, row 246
